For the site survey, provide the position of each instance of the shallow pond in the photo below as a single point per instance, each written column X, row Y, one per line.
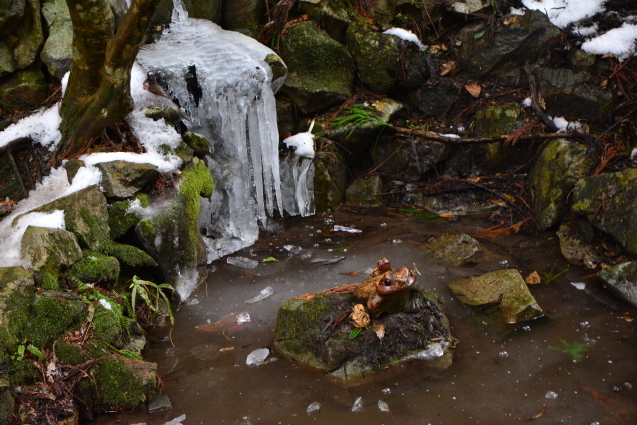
column 501, row 374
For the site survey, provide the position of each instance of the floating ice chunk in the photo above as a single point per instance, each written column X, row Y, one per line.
column 383, row 406
column 618, row 41
column 358, row 405
column 265, row 292
column 293, row 249
column 193, row 301
column 313, row 407
column 246, row 263
column 257, row 357
column 579, row 285
column 407, row 36
column 339, row 228
column 105, row 304
column 551, row 395
column 503, row 354
column 433, row 352
column 177, row 421
column 243, row 317
column 585, row 324
column 386, row 391
column 303, row 144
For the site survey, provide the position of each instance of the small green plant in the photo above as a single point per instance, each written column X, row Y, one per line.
column 606, row 107
column 354, row 333
column 269, row 260
column 356, row 116
column 22, row 348
column 549, row 276
column 575, row 349
column 151, row 293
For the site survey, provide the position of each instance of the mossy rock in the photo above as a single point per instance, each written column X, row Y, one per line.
column 122, row 179
column 7, row 61
column 23, row 90
column 503, row 287
column 320, row 69
column 609, row 201
column 498, row 120
column 52, row 318
column 68, row 353
column 243, row 16
column 205, row 9
column 560, row 164
column 302, row 333
column 122, row 383
column 13, row 280
column 96, row 267
column 333, row 17
column 57, row 51
column 622, row 281
column 7, row 406
column 375, row 56
column 365, row 192
column 455, row 250
column 327, row 195
column 120, row 220
column 198, row 143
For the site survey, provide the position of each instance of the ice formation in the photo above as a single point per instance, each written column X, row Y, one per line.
column 406, row 35
column 226, row 89
column 297, row 175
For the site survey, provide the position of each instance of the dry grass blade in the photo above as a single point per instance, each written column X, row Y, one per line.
column 607, row 156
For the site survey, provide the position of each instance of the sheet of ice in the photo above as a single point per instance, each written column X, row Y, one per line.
column 564, row 12
column 11, row 236
column 618, row 41
column 265, row 293
column 313, row 407
column 41, row 127
column 406, row 35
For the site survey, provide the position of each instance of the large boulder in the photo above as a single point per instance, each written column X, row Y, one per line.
column 11, row 12
column 609, row 202
column 12, row 280
column 560, row 164
column 330, row 176
column 23, row 90
column 455, row 250
column 365, row 192
column 301, row 333
column 622, row 281
column 57, row 51
column 321, row 70
column 375, row 56
column 29, row 35
column 505, row 287
column 508, row 48
column 243, row 16
column 334, row 21
column 206, row 9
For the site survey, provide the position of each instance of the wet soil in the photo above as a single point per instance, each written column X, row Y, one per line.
column 501, row 374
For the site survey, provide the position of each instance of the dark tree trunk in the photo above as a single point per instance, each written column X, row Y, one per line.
column 98, row 92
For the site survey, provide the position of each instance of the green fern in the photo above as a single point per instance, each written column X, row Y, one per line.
column 356, row 116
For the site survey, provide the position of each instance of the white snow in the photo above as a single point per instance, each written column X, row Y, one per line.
column 407, row 36
column 105, row 304
column 41, row 127
column 518, row 12
column 618, row 41
column 303, row 144
column 564, row 12
column 585, row 31
column 563, row 125
column 526, row 102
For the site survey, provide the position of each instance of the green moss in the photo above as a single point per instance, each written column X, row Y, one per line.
column 197, row 182
column 128, row 254
column 119, row 220
column 52, row 318
column 184, row 152
column 109, row 326
column 68, row 353
column 147, row 228
column 96, row 267
column 119, row 388
column 48, row 281
column 144, row 199
column 198, row 143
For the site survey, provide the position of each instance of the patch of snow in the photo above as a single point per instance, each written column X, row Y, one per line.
column 518, row 12
column 564, row 125
column 585, row 31
column 105, row 304
column 303, row 144
column 407, row 36
column 41, row 127
column 618, row 41
column 526, row 102
column 564, row 12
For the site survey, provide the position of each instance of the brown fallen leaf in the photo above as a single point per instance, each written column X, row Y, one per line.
column 533, row 279
column 626, row 318
column 448, row 68
column 225, row 323
column 474, row 89
column 379, row 328
column 511, row 20
column 353, row 274
column 227, row 349
column 305, row 297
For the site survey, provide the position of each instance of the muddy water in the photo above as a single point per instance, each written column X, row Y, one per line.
column 501, row 374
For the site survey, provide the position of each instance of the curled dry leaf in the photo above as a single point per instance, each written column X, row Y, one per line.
column 379, row 328
column 359, row 316
column 473, row 89
column 533, row 279
column 448, row 68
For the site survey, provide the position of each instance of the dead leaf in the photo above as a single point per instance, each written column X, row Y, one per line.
column 604, row 84
column 227, row 349
column 353, row 274
column 446, row 215
column 511, row 20
column 533, row 279
column 359, row 316
column 541, row 101
column 474, row 89
column 379, row 328
column 305, row 297
column 448, row 68
column 626, row 318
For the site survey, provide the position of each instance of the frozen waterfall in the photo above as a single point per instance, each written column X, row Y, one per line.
column 225, row 83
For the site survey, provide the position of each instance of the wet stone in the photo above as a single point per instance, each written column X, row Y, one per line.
column 454, row 250
column 622, row 281
column 159, row 403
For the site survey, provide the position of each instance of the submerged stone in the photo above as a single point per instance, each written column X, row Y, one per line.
column 505, row 287
column 559, row 166
column 609, row 201
column 454, row 250
column 622, row 281
column 365, row 192
column 578, row 244
column 310, row 332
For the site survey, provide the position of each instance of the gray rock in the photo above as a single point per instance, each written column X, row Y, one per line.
column 375, row 56
column 321, row 70
column 498, row 120
column 72, row 166
column 205, row 9
column 365, row 192
column 243, row 16
column 560, row 164
column 29, row 34
column 565, row 94
column 327, row 195
column 578, row 245
column 7, row 61
column 300, row 334
column 44, row 246
column 609, row 201
column 286, row 119
column 509, row 48
column 159, row 403
column 468, row 6
column 622, row 281
column 11, row 13
column 121, row 179
column 505, row 287
column 436, row 99
column 335, row 22
column 454, row 250
column 57, row 51
column 25, row 89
